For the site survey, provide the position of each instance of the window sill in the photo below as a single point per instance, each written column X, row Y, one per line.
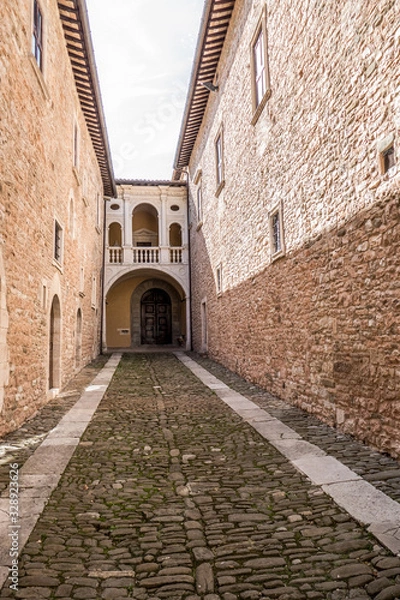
column 58, row 265
column 278, row 255
column 260, row 107
column 199, row 225
column 39, row 77
column 76, row 173
column 220, row 188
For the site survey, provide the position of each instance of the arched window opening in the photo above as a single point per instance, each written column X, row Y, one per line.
column 115, row 235
column 145, row 226
column 175, row 235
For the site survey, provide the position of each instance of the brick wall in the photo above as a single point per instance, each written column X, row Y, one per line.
column 320, row 325
column 37, row 186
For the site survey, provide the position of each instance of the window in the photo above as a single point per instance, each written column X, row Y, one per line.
column 37, row 35
column 58, row 242
column 219, row 279
column 276, row 232
column 199, row 202
column 219, row 162
column 98, row 212
column 259, row 67
column 75, row 147
column 82, row 281
column 387, row 159
column 94, row 292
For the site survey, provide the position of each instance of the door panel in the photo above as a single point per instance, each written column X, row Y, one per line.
column 156, row 317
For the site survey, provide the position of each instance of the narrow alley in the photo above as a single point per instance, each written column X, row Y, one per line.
column 174, row 491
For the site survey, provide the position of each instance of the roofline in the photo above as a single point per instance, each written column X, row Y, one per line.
column 150, row 182
column 102, row 152
column 182, row 155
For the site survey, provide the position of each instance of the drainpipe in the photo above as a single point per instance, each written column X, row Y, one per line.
column 102, row 315
column 186, row 171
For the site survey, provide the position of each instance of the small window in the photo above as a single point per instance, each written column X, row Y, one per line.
column 175, row 207
column 259, row 67
column 37, row 35
column 219, row 162
column 82, row 281
column 387, row 159
column 94, row 292
column 219, row 279
column 58, row 242
column 98, row 211
column 199, row 197
column 276, row 232
column 75, row 147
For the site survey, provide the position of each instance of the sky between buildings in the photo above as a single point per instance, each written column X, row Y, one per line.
column 144, row 53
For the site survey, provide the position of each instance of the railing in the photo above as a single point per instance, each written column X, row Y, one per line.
column 146, row 255
column 118, row 255
column 175, row 255
column 115, row 255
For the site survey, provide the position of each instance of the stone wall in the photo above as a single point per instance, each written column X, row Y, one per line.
column 39, row 185
column 320, row 325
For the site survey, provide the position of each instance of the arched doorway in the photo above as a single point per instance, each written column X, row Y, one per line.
column 55, row 344
column 156, row 317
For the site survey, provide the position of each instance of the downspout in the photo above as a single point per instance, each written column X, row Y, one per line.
column 102, row 316
column 186, row 171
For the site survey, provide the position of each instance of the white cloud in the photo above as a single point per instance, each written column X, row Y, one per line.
column 144, row 52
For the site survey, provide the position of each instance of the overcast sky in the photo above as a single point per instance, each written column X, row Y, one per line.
column 144, row 53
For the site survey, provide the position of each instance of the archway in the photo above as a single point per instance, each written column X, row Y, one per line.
column 55, row 344
column 156, row 317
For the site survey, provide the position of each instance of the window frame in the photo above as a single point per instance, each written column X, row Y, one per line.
column 260, row 32
column 58, row 243
column 37, row 35
column 218, row 279
column 219, row 160
column 199, row 197
column 276, row 252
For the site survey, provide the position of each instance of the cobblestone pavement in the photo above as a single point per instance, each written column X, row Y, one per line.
column 379, row 469
column 19, row 445
column 172, row 495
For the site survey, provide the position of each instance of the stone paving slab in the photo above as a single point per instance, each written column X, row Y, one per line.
column 171, row 494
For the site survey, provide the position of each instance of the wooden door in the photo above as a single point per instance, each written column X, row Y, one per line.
column 156, row 317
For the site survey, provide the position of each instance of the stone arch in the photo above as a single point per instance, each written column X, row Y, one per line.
column 136, row 298
column 4, row 359
column 55, row 344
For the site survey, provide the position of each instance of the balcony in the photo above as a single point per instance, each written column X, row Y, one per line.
column 119, row 255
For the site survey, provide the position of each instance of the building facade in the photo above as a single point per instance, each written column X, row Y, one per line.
column 290, row 146
column 54, row 174
column 147, row 266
